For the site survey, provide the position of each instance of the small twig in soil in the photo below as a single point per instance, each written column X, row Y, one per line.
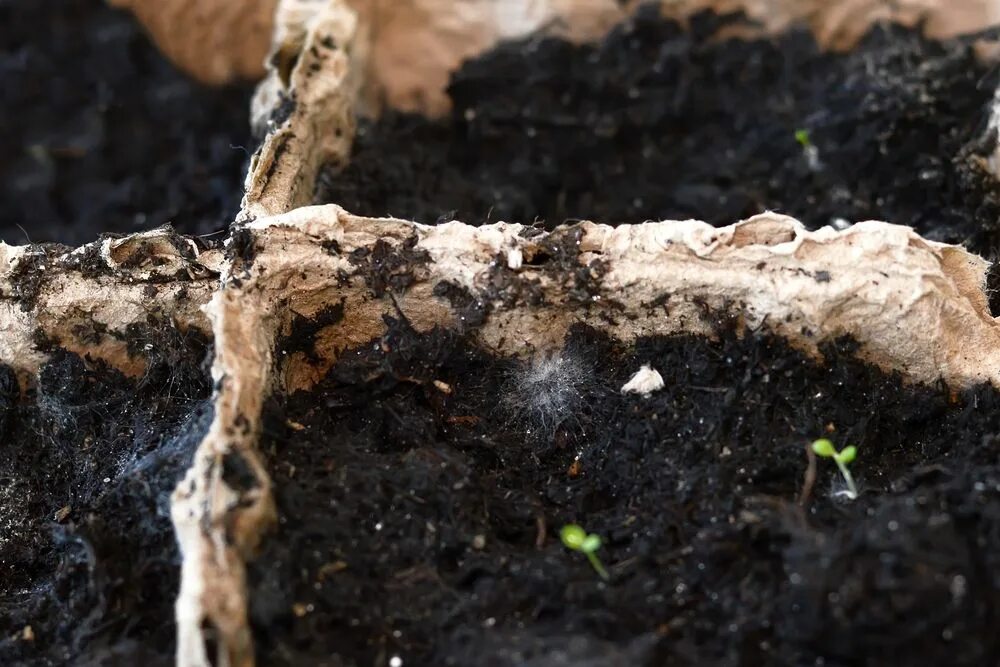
column 462, row 419
column 542, row 532
column 810, row 478
column 784, row 508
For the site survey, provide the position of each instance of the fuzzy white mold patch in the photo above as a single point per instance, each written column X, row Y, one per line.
column 546, row 391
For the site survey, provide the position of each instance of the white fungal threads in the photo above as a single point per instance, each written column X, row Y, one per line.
column 547, row 390
column 645, row 381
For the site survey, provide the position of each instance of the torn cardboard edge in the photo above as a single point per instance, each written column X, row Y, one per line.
column 914, row 306
column 85, row 299
column 306, row 106
column 806, row 286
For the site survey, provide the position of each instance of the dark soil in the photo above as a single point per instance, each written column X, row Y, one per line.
column 89, row 566
column 422, row 523
column 101, row 134
column 660, row 123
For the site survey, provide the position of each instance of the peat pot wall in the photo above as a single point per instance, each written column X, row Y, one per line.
column 314, row 282
column 296, row 285
column 516, row 291
column 106, row 353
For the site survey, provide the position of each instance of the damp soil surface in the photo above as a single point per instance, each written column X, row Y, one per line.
column 100, row 133
column 423, row 483
column 659, row 122
column 89, row 565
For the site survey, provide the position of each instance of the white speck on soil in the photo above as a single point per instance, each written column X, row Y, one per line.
column 645, row 381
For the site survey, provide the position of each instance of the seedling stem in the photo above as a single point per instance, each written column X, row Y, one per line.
column 825, row 448
column 574, row 537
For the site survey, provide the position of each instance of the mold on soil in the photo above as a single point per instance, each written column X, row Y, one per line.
column 662, row 123
column 422, row 485
column 89, row 566
column 102, row 134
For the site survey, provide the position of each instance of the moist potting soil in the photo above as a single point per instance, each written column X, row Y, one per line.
column 89, row 565
column 661, row 122
column 423, row 483
column 101, row 134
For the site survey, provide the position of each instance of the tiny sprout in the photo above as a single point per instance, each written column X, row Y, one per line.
column 576, row 538
column 802, row 136
column 825, row 448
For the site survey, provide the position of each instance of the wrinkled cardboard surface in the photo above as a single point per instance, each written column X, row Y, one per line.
column 215, row 41
column 809, row 286
column 114, row 293
column 306, row 104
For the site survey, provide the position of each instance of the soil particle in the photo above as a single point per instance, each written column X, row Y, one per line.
column 242, row 246
column 282, row 111
column 470, row 310
column 102, row 134
column 89, row 261
column 387, row 267
column 237, row 473
column 26, row 278
column 424, row 525
column 10, row 393
column 304, row 331
column 660, row 123
column 88, row 558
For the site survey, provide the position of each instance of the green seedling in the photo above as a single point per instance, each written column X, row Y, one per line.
column 825, row 448
column 809, row 150
column 576, row 538
column 802, row 136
